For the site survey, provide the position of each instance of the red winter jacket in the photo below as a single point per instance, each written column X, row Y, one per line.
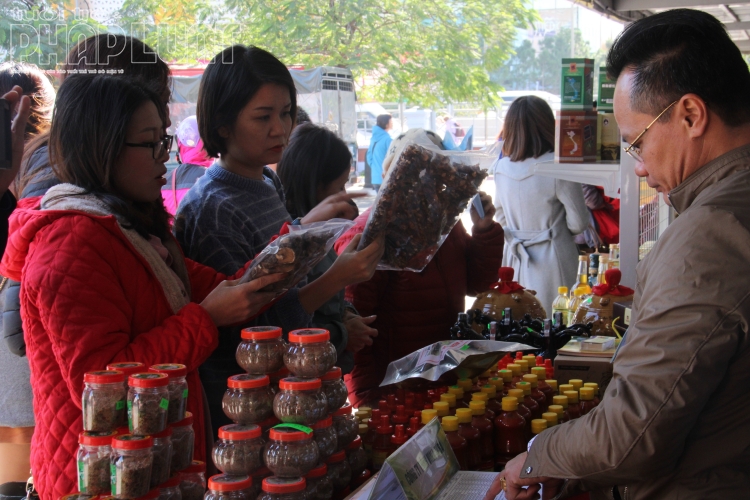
column 88, row 298
column 417, row 309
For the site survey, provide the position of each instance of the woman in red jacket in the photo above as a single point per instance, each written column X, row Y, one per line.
column 102, row 278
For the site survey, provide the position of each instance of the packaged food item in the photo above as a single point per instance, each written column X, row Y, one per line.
column 310, row 353
column 335, row 388
column 226, row 487
column 178, row 389
column 295, row 253
column 258, row 476
column 239, row 449
column 162, row 457
column 148, row 403
column 77, row 496
column 283, row 488
column 319, row 485
column 103, row 400
column 325, row 435
column 193, row 481
column 276, row 377
column 356, row 456
column 300, row 401
column 94, row 449
column 347, row 428
column 510, row 433
column 130, row 466
column 261, row 350
column 339, row 470
column 248, row 399
column 170, row 489
column 291, row 452
column 422, row 197
column 183, row 442
column 127, row 368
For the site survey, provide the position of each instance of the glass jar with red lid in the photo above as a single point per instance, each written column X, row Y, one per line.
column 283, row 488
column 183, row 443
column 347, row 428
column 356, row 456
column 103, row 400
column 300, row 401
column 193, row 481
column 148, row 403
column 319, row 485
column 248, row 399
column 170, row 489
column 162, row 450
column 310, row 353
column 93, row 462
column 290, row 452
column 239, row 449
column 335, row 388
column 130, row 466
column 324, row 434
column 339, row 470
column 178, row 389
column 261, row 350
column 227, row 487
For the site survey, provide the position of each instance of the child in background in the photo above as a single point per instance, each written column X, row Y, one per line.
column 193, row 163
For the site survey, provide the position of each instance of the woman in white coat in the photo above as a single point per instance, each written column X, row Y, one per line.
column 540, row 215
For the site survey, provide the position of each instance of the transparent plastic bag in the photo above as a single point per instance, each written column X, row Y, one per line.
column 421, row 200
column 296, row 253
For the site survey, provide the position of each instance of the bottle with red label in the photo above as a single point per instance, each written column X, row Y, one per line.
column 486, row 428
column 586, row 395
column 457, row 442
column 510, row 433
column 594, row 386
column 493, row 403
column 472, row 435
column 574, row 408
column 536, row 394
column 528, row 401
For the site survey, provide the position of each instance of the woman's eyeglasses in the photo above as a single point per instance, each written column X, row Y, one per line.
column 157, row 148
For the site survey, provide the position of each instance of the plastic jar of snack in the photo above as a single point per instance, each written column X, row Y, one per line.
column 94, row 449
column 226, row 487
column 248, row 399
column 148, row 402
column 127, row 368
column 310, row 353
column 290, row 452
column 103, row 400
column 335, row 389
column 339, row 470
column 258, row 476
column 170, row 489
column 276, row 377
column 261, row 350
column 357, row 456
column 283, row 488
column 193, row 481
column 324, row 434
column 183, row 441
column 300, row 401
column 347, row 428
column 239, row 449
column 160, row 471
column 319, row 485
column 130, row 466
column 178, row 389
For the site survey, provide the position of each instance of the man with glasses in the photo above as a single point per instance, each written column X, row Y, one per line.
column 674, row 422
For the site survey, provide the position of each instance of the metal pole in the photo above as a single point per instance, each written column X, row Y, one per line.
column 630, row 205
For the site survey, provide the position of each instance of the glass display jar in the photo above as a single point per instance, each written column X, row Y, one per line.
column 226, row 487
column 94, row 449
column 261, row 350
column 310, row 353
column 239, row 449
column 283, row 488
column 103, row 400
column 300, row 401
column 178, row 389
column 170, row 489
column 319, row 485
column 127, row 368
column 160, row 470
column 130, row 466
column 335, row 389
column 193, row 481
column 339, row 471
column 248, row 399
column 148, row 402
column 290, row 452
column 347, row 428
column 324, row 434
column 357, row 456
column 183, row 442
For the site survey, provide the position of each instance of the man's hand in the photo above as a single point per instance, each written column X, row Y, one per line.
column 485, row 223
column 360, row 333
column 515, row 485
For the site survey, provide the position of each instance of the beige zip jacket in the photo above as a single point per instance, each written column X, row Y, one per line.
column 674, row 422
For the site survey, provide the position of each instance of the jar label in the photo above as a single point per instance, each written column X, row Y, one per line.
column 113, row 473
column 164, row 403
column 130, row 417
column 296, row 427
column 119, row 405
column 184, row 394
column 81, row 475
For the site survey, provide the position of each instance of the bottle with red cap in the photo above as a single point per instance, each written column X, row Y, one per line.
column 300, row 401
column 130, row 466
column 309, row 353
column 290, row 452
column 93, row 462
column 381, row 446
column 193, row 481
column 458, row 443
column 339, row 471
column 369, row 439
column 400, row 417
column 383, row 407
column 103, row 400
column 261, row 350
column 334, row 388
column 419, row 401
column 178, row 389
column 510, row 433
column 128, row 368
column 319, row 485
column 248, row 399
column 550, row 369
column 486, row 428
column 399, row 436
column 414, row 426
column 170, row 489
column 239, row 449
column 183, row 442
column 147, row 403
column 473, row 437
column 392, row 404
column 400, row 395
column 226, row 487
column 162, row 450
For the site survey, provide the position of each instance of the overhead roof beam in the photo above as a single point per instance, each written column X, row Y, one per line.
column 744, row 46
column 622, row 5
column 737, row 26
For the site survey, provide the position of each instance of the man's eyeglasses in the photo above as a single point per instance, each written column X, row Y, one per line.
column 157, row 148
column 633, row 150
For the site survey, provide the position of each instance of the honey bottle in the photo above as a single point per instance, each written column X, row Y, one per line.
column 510, row 433
column 457, row 442
column 472, row 435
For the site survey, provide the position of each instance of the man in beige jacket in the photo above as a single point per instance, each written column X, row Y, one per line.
column 674, row 422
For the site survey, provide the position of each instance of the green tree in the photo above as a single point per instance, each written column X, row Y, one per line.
column 553, row 49
column 521, row 72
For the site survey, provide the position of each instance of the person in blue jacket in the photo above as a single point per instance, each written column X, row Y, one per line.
column 378, row 149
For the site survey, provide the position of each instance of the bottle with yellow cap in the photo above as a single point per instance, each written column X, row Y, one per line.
column 472, row 435
column 531, row 403
column 451, row 400
column 499, row 385
column 515, row 369
column 467, row 385
column 538, row 425
column 562, row 400
column 524, row 364
column 493, row 403
column 536, row 394
column 574, row 407
column 510, row 433
column 594, row 386
column 486, row 428
column 559, row 411
column 542, row 385
column 576, row 383
column 566, row 387
column 586, row 395
column 560, row 304
column 507, row 376
column 428, row 415
column 553, row 384
column 531, row 360
column 574, row 302
column 522, row 409
column 460, row 396
column 442, row 409
column 458, row 443
column 489, row 414
column 551, row 418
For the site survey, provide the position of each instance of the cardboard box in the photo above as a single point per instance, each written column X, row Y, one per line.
column 607, row 139
column 577, row 84
column 586, row 368
column 606, row 97
column 575, row 137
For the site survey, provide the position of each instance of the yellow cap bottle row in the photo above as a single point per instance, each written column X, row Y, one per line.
column 538, row 425
column 428, row 415
column 477, row 407
column 463, row 415
column 443, row 410
column 510, row 403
